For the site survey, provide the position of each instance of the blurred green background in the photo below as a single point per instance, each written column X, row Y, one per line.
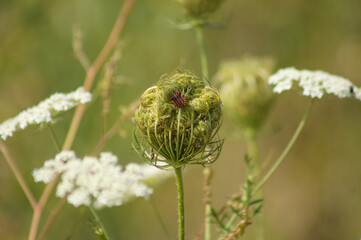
column 315, row 194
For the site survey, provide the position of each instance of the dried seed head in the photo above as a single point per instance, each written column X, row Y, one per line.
column 175, row 136
column 247, row 96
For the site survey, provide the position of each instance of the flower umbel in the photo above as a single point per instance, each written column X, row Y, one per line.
column 167, row 135
column 97, row 181
column 44, row 111
column 314, row 83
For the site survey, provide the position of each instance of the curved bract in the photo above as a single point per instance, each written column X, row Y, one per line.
column 169, row 136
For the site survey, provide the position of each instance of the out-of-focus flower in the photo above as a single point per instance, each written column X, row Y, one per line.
column 199, row 8
column 97, row 181
column 245, row 92
column 44, row 111
column 315, row 84
column 177, row 120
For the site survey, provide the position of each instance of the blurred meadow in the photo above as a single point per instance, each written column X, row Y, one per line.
column 314, row 195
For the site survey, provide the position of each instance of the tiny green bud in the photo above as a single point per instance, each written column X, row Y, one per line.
column 247, row 96
column 200, row 8
column 177, row 120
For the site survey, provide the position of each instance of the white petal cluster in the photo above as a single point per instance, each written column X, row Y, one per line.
column 97, row 181
column 44, row 111
column 314, row 83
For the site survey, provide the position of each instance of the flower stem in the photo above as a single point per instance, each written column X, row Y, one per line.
column 97, row 219
column 205, row 72
column 252, row 147
column 53, row 137
column 207, row 172
column 94, row 69
column 88, row 82
column 203, row 52
column 180, row 193
column 285, row 151
column 51, row 218
column 76, row 224
column 18, row 175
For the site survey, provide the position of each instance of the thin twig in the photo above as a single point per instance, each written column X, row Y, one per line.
column 93, row 70
column 88, row 82
column 51, row 218
column 18, row 175
column 286, row 150
column 53, row 137
column 78, row 48
column 113, row 130
column 159, row 217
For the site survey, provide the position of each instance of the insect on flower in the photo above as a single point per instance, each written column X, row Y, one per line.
column 178, row 100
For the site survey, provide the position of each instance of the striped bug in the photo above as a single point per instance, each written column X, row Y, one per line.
column 178, row 100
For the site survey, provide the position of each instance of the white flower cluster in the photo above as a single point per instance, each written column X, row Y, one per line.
column 100, row 182
column 314, row 83
column 44, row 111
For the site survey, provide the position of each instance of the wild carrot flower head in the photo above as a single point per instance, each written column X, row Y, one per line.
column 95, row 181
column 44, row 111
column 177, row 120
column 245, row 92
column 314, row 84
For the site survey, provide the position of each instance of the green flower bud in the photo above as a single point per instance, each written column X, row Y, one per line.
column 247, row 96
column 199, row 8
column 170, row 133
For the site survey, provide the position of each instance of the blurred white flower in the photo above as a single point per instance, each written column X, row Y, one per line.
column 44, row 111
column 100, row 182
column 314, row 83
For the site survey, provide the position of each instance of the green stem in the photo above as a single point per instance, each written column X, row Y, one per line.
column 18, row 176
column 180, row 193
column 252, row 147
column 205, row 72
column 97, row 219
column 286, row 150
column 203, row 52
column 53, row 137
column 159, row 217
column 79, row 112
column 207, row 172
column 77, row 223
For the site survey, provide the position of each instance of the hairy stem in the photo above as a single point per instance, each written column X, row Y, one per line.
column 207, row 172
column 286, row 150
column 104, row 232
column 180, row 193
column 18, row 175
column 252, row 147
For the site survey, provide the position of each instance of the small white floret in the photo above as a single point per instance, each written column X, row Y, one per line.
column 100, row 182
column 314, row 83
column 44, row 111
